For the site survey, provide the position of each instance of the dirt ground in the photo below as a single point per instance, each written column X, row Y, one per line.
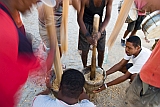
column 112, row 96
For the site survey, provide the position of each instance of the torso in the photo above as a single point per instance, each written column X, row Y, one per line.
column 139, row 60
column 91, row 9
column 57, row 14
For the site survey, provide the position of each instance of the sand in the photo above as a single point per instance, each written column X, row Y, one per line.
column 112, row 96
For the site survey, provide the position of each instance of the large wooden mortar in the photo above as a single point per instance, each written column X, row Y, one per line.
column 91, row 85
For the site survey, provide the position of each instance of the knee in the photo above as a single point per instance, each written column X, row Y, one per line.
column 100, row 52
column 84, row 53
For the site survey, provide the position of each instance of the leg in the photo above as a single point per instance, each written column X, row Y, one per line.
column 83, row 45
column 137, row 24
column 125, row 34
column 84, row 58
column 101, row 48
column 130, row 28
column 100, row 58
column 133, row 32
column 134, row 98
column 123, row 39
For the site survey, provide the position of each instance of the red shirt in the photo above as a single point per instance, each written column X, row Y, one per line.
column 150, row 73
column 14, row 67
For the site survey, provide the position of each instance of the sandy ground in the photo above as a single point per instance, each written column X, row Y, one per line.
column 112, row 96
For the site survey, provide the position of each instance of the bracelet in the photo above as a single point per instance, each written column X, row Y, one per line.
column 105, row 85
column 87, row 34
column 101, row 32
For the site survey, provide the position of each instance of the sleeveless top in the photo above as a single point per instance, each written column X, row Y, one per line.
column 91, row 10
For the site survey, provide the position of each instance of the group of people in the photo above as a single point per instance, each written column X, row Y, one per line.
column 17, row 57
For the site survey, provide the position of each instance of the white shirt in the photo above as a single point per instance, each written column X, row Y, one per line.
column 139, row 60
column 47, row 101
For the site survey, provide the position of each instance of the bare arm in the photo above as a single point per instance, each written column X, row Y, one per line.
column 107, row 16
column 106, row 20
column 82, row 25
column 117, row 67
column 76, row 4
column 80, row 17
column 119, row 79
column 114, row 82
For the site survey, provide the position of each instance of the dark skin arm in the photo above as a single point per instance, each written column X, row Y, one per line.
column 116, row 67
column 76, row 4
column 81, row 22
column 107, row 18
column 114, row 82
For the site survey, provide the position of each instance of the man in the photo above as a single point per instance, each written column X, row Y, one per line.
column 145, row 89
column 58, row 18
column 135, row 25
column 16, row 54
column 85, row 19
column 139, row 56
column 70, row 94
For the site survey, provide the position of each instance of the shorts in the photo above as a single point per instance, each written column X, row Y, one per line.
column 134, row 98
column 135, row 25
column 84, row 45
column 128, row 65
column 44, row 36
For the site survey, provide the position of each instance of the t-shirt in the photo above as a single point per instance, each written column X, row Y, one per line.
column 150, row 72
column 14, row 65
column 47, row 101
column 139, row 60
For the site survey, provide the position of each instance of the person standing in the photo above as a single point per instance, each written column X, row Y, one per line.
column 57, row 17
column 135, row 25
column 85, row 20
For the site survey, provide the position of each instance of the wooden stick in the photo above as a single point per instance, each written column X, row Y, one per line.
column 64, row 27
column 120, row 21
column 50, row 24
column 93, row 63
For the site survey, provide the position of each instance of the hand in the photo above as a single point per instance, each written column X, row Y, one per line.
column 90, row 40
column 100, row 89
column 97, row 36
column 48, row 79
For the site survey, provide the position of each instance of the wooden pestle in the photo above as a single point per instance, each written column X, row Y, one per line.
column 93, row 63
column 51, row 30
column 119, row 23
